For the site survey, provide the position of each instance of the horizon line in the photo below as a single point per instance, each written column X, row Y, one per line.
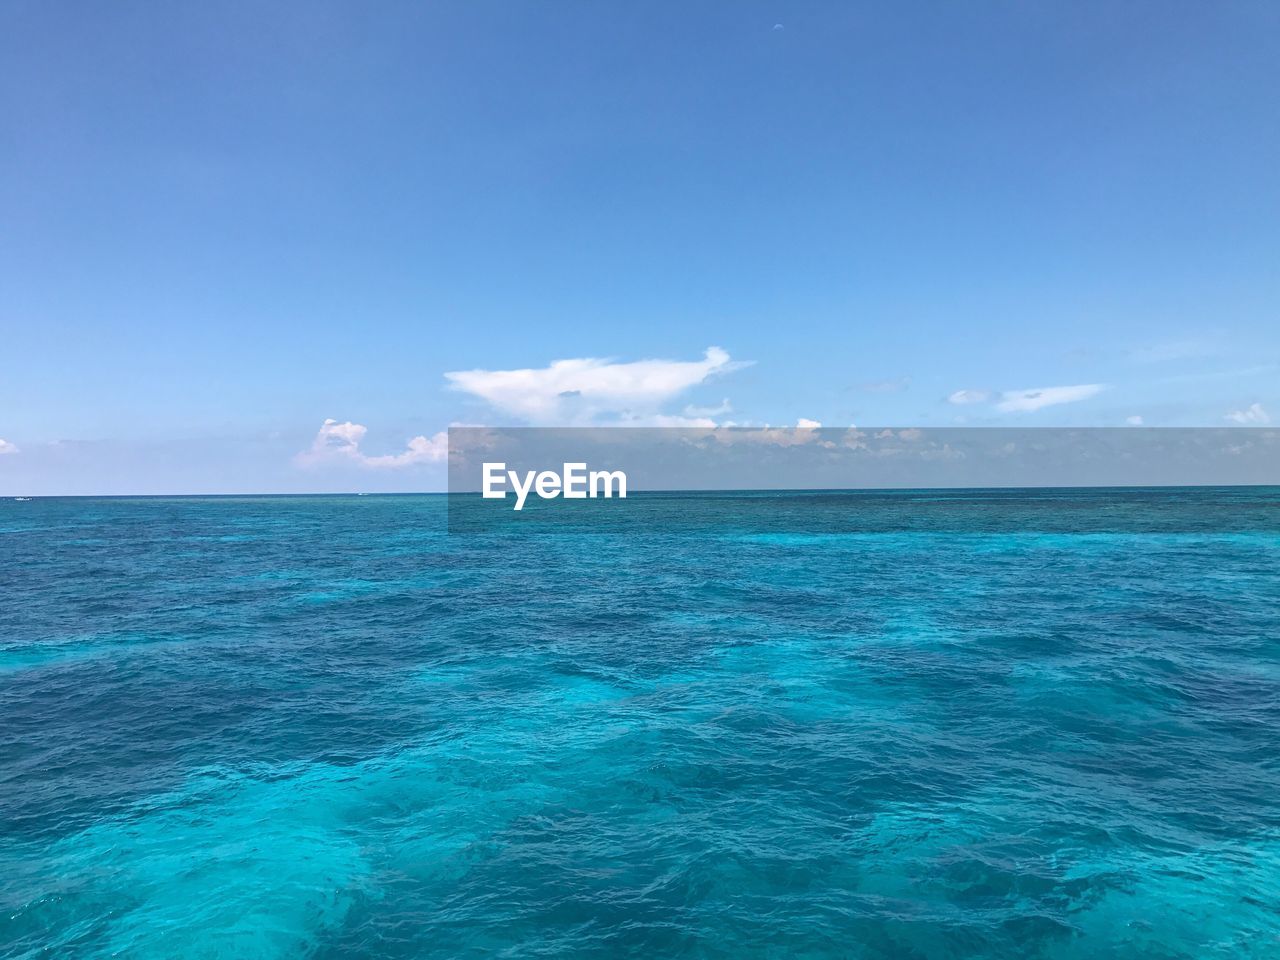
column 690, row 490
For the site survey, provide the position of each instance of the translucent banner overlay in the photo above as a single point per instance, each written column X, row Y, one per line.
column 849, row 480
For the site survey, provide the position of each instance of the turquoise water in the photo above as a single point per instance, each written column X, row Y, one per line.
column 796, row 726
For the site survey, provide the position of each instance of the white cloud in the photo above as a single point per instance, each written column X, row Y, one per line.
column 340, row 443
column 591, row 390
column 418, row 450
column 667, row 420
column 1018, row 401
column 1254, row 414
column 1134, row 421
column 969, row 396
column 805, row 431
column 911, row 442
column 7, row 447
column 718, row 410
column 1025, row 401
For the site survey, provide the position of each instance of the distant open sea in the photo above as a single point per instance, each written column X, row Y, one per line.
column 1022, row 724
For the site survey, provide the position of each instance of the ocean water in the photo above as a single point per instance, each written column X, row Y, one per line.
column 1031, row 725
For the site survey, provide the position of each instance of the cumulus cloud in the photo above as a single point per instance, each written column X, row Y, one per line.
column 1253, row 414
column 1025, row 401
column 593, row 390
column 961, row 397
column 805, row 431
column 1134, row 421
column 911, row 442
column 340, row 443
column 7, row 447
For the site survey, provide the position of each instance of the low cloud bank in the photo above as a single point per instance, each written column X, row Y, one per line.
column 340, row 443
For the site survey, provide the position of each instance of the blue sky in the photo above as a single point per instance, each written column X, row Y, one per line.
column 224, row 224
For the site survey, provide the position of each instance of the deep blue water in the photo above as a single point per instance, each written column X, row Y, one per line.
column 796, row 726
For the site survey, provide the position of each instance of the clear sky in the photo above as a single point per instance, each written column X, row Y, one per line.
column 222, row 224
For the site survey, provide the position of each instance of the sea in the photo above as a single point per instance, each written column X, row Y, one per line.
column 855, row 724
